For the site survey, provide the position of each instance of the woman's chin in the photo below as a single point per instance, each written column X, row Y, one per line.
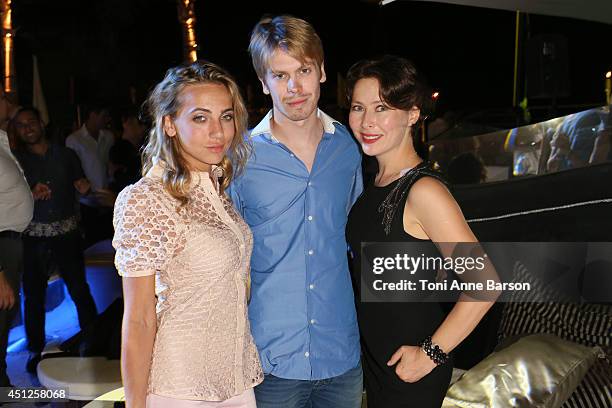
column 368, row 150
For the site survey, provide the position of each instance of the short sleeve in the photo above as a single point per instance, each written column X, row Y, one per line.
column 145, row 230
column 72, row 144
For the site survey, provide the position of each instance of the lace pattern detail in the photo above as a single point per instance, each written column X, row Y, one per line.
column 200, row 255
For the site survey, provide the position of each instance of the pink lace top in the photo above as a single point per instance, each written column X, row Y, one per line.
column 200, row 258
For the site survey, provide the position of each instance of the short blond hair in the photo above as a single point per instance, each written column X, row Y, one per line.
column 290, row 34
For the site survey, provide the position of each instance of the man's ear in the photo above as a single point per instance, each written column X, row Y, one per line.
column 413, row 115
column 169, row 126
column 264, row 87
column 323, row 76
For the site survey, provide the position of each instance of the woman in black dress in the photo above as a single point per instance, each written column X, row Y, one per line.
column 406, row 202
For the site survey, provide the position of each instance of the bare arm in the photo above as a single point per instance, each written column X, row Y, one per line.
column 438, row 215
column 137, row 337
column 442, row 220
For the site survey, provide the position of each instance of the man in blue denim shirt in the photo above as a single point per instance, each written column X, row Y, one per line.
column 296, row 192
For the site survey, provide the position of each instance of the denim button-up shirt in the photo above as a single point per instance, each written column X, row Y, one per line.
column 302, row 310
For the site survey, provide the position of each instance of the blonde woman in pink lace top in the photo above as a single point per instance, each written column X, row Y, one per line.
column 184, row 252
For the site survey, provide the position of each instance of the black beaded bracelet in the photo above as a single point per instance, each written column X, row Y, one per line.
column 433, row 351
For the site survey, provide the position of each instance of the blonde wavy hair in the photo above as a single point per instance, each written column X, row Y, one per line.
column 164, row 101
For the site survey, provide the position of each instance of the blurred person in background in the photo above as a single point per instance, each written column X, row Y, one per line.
column 92, row 144
column 466, row 168
column 8, row 109
column 16, row 208
column 55, row 177
column 574, row 141
column 125, row 164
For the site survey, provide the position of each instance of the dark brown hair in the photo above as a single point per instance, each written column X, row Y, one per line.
column 401, row 87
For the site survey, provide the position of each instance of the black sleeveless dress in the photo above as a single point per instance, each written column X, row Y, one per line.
column 385, row 326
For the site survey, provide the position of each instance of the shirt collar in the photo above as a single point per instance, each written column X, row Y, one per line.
column 83, row 131
column 263, row 128
column 159, row 166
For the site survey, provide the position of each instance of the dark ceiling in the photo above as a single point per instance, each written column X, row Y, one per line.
column 97, row 49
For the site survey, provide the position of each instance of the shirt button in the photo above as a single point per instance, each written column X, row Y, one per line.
column 310, row 183
column 311, row 286
column 310, row 218
column 312, row 321
column 310, row 252
column 292, row 155
column 307, row 354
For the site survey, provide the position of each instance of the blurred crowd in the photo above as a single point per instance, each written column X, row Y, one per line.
column 58, row 195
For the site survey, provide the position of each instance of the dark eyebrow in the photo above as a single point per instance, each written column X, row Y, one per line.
column 371, row 103
column 196, row 109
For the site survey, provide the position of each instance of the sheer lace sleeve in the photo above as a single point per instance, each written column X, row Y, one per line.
column 145, row 229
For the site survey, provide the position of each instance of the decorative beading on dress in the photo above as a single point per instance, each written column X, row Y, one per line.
column 389, row 206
